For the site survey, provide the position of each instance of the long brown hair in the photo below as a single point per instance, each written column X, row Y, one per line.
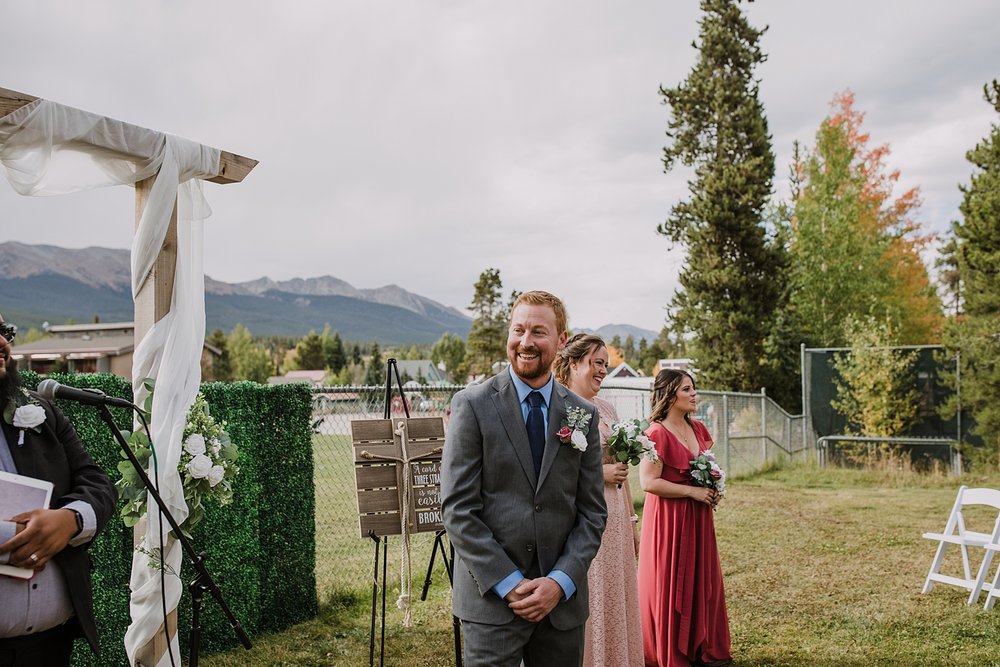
column 576, row 349
column 664, row 395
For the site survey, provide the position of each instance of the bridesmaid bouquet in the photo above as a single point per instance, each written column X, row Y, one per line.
column 627, row 444
column 706, row 472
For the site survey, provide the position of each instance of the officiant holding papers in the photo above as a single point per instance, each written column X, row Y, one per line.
column 40, row 616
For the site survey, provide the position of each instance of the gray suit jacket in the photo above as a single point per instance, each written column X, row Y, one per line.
column 500, row 518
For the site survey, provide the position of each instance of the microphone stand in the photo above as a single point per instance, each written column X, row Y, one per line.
column 203, row 580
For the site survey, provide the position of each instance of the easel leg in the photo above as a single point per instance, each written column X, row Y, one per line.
column 456, row 624
column 430, row 564
column 385, row 559
column 371, row 632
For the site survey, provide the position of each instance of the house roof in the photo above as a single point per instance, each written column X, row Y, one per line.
column 623, row 370
column 94, row 327
column 312, row 377
column 86, row 346
column 419, row 367
column 77, row 347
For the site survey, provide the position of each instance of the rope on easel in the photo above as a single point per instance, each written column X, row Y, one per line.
column 405, row 580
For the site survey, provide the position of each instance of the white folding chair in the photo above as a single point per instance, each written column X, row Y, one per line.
column 992, row 593
column 956, row 533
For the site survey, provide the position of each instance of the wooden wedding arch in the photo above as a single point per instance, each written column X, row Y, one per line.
column 153, row 300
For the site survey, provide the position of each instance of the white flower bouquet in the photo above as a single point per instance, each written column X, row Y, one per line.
column 705, row 471
column 628, row 444
column 207, row 466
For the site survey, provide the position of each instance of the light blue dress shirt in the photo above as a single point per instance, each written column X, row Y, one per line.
column 508, row 583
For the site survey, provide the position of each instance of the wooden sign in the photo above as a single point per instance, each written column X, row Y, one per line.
column 384, row 451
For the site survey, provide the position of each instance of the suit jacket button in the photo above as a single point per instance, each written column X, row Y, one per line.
column 531, row 547
column 538, row 508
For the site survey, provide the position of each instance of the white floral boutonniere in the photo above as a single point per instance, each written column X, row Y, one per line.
column 23, row 411
column 575, row 428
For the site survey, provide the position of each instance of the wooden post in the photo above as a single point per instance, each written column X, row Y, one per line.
column 152, row 303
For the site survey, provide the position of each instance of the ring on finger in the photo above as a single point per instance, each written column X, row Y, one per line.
column 34, row 558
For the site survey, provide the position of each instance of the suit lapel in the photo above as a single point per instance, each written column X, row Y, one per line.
column 512, row 419
column 557, row 410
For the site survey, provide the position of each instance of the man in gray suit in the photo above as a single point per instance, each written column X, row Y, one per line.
column 523, row 508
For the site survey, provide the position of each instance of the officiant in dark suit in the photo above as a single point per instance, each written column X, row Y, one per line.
column 41, row 616
column 523, row 501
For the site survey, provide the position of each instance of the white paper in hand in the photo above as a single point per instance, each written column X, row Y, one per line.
column 21, row 494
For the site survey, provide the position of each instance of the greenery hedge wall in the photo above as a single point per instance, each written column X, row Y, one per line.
column 261, row 548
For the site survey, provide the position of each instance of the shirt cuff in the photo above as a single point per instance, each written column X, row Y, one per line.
column 8, row 529
column 565, row 583
column 89, row 521
column 507, row 584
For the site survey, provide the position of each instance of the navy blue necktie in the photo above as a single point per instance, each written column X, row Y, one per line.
column 536, row 429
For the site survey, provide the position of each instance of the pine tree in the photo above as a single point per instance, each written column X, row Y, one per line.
column 309, row 353
column 375, row 371
column 975, row 333
column 222, row 370
column 487, row 343
column 730, row 282
column 333, row 351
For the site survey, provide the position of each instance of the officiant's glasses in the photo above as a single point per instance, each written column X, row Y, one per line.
column 8, row 331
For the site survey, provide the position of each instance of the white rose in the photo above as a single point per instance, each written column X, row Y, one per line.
column 199, row 466
column 215, row 475
column 29, row 416
column 579, row 440
column 195, row 444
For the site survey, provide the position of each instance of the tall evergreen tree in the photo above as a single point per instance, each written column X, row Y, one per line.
column 375, row 372
column 730, row 282
column 333, row 350
column 487, row 343
column 222, row 369
column 309, row 353
column 975, row 332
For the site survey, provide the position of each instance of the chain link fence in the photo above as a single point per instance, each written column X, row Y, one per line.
column 750, row 431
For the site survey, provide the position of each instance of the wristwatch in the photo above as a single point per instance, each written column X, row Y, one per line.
column 79, row 521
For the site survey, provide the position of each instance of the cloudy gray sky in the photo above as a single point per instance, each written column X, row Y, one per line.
column 419, row 143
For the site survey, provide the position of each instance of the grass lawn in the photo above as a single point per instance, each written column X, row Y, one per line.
column 822, row 568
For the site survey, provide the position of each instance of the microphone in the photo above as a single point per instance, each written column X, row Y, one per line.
column 50, row 389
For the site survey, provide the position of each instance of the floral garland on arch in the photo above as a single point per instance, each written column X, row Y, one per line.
column 207, row 467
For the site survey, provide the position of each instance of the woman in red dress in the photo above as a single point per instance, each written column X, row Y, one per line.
column 681, row 598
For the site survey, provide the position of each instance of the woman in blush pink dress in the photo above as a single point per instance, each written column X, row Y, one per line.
column 613, row 631
column 682, row 600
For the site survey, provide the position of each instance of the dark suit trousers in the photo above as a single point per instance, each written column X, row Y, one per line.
column 538, row 644
column 51, row 648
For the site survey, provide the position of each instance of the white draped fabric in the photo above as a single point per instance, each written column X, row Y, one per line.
column 47, row 149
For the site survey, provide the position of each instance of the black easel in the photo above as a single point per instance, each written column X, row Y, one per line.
column 203, row 580
column 448, row 564
column 392, row 368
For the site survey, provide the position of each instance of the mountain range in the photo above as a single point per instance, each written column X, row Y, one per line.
column 43, row 283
